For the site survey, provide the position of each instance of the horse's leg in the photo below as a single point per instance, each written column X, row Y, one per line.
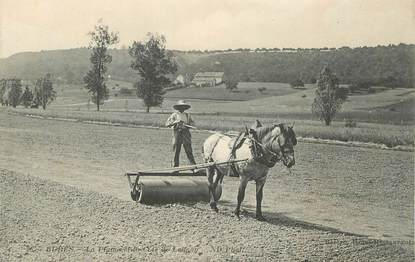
column 218, row 179
column 210, row 172
column 241, row 194
column 259, row 194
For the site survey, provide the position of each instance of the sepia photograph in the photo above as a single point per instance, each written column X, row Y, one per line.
column 207, row 130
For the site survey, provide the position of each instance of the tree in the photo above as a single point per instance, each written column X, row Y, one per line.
column 328, row 99
column 69, row 76
column 94, row 80
column 27, row 97
column 44, row 93
column 231, row 84
column 297, row 83
column 3, row 85
column 390, row 82
column 153, row 63
column 15, row 92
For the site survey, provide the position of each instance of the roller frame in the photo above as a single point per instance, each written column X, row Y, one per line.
column 184, row 171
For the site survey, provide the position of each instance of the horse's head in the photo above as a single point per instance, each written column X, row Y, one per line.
column 279, row 141
column 286, row 142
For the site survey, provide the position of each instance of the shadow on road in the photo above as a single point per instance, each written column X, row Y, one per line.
column 281, row 219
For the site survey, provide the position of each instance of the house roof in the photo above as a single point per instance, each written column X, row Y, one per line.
column 204, row 78
column 209, row 74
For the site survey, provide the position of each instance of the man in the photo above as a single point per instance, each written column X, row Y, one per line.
column 181, row 122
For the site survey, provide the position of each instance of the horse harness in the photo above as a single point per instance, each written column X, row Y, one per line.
column 257, row 150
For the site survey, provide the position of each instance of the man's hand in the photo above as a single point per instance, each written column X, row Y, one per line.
column 174, row 124
column 178, row 124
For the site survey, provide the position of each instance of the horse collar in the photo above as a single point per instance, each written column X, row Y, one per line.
column 274, row 159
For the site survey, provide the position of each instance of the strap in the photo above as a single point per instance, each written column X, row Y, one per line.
column 187, row 118
column 259, row 153
column 238, row 143
column 235, row 171
column 213, row 149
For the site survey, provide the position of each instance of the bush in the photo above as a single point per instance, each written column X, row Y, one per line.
column 371, row 90
column 363, row 85
column 298, row 83
column 262, row 89
column 126, row 91
column 352, row 88
column 350, row 123
column 231, row 84
column 342, row 93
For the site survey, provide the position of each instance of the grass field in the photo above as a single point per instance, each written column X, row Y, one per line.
column 279, row 100
column 244, row 92
column 385, row 117
column 390, row 135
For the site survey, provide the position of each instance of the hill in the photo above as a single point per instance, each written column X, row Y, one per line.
column 382, row 65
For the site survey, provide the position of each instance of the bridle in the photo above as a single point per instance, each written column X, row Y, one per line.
column 275, row 156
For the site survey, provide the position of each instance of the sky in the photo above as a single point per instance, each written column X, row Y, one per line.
column 34, row 25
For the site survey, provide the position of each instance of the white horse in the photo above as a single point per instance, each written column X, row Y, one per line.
column 263, row 148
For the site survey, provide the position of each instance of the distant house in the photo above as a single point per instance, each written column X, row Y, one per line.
column 208, row 78
column 180, row 80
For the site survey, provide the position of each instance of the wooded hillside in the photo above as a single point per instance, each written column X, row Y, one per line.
column 391, row 65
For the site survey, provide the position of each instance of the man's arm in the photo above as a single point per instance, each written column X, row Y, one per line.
column 190, row 120
column 172, row 120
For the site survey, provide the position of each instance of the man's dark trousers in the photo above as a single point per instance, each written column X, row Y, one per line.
column 182, row 137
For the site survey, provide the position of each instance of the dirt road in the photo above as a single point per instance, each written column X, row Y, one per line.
column 333, row 189
column 46, row 221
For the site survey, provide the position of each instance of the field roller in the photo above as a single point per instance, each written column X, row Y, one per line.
column 172, row 185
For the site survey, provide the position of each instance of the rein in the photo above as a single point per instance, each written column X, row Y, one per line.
column 275, row 156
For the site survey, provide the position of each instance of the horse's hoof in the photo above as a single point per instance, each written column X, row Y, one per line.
column 237, row 213
column 214, row 208
column 260, row 218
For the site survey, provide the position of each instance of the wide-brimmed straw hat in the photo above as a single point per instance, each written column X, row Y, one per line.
column 181, row 104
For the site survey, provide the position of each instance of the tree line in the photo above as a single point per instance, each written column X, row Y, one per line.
column 13, row 94
column 390, row 65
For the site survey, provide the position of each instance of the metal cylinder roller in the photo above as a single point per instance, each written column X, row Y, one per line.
column 153, row 191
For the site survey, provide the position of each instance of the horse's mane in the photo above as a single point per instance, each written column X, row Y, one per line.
column 264, row 131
